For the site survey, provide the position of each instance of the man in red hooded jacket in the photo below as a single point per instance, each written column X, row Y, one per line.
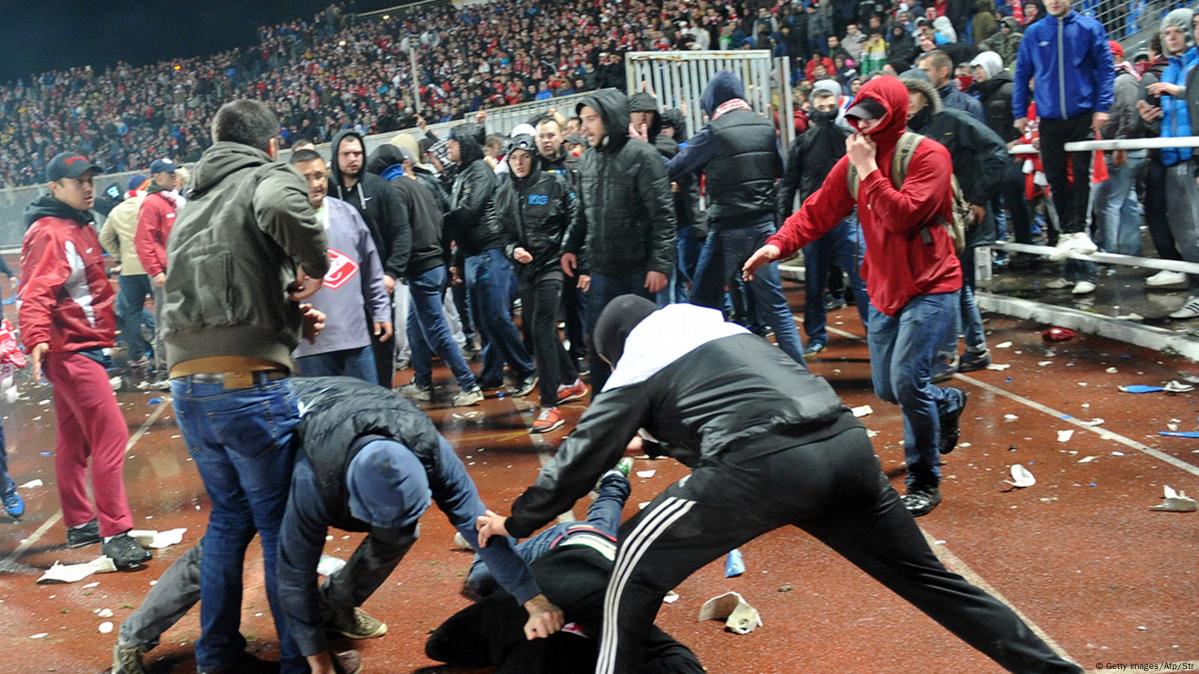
column 911, row 271
column 68, row 325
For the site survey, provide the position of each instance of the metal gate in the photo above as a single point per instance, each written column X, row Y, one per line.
column 678, row 78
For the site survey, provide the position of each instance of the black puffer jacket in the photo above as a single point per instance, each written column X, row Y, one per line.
column 980, row 157
column 535, row 212
column 471, row 220
column 811, row 158
column 996, row 96
column 626, row 221
column 417, row 196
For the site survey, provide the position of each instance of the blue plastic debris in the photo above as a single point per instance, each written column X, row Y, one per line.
column 1142, row 388
column 1180, row 434
column 47, row 453
column 734, row 564
column 154, row 401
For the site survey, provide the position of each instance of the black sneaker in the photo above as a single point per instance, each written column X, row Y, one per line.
column 920, row 501
column 525, row 386
column 88, row 534
column 951, row 428
column 975, row 361
column 125, row 552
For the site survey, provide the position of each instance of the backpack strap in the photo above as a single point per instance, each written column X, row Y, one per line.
column 900, row 159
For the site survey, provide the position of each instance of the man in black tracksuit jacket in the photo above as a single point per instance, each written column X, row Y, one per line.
column 472, row 223
column 769, row 445
column 390, row 229
column 535, row 211
column 427, row 328
column 625, row 227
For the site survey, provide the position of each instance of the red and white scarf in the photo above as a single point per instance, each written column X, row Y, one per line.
column 729, row 106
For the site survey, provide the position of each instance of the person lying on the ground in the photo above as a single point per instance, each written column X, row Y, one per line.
column 572, row 563
column 369, row 461
column 769, row 444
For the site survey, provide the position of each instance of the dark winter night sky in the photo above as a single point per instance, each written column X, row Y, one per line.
column 50, row 34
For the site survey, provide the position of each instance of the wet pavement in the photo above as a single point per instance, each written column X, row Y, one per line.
column 1079, row 555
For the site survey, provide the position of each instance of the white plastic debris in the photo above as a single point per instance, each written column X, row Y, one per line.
column 1021, row 477
column 1003, row 345
column 999, row 367
column 671, row 597
column 1064, row 436
column 646, row 473
column 329, row 565
column 731, row 607
column 1044, row 363
column 862, row 411
column 73, row 573
column 92, row 584
column 104, row 613
column 1088, row 459
column 39, row 635
column 1111, row 370
column 1175, row 501
column 1093, row 422
column 105, row 627
column 152, row 538
column 31, row 484
column 1010, row 417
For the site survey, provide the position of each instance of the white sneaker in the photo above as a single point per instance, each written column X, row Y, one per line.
column 1188, row 310
column 1058, row 284
column 1166, row 278
column 1083, row 288
column 1076, row 242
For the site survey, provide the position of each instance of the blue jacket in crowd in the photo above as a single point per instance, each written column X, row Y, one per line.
column 1176, row 120
column 1072, row 64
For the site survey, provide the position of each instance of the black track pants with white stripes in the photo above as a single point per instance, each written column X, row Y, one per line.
column 834, row 490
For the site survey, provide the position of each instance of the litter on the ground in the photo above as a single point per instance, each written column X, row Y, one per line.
column 1021, row 477
column 731, row 607
column 999, row 367
column 1177, row 387
column 329, row 565
column 1044, row 363
column 671, row 597
column 158, row 540
column 734, row 564
column 39, row 635
column 1003, row 345
column 1179, row 434
column 646, row 473
column 862, row 411
column 1111, row 370
column 1087, row 459
column 105, row 627
column 1093, row 422
column 1010, row 417
column 1175, row 501
column 460, row 541
column 73, row 573
column 31, row 484
column 1064, row 436
column 104, row 612
column 1142, row 388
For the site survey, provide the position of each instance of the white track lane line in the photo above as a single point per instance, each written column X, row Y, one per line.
column 41, row 531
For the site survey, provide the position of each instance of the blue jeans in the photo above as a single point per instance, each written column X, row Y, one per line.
column 686, row 246
column 720, row 260
column 489, row 280
column 242, row 441
column 902, row 348
column 7, row 486
column 358, row 363
column 845, row 245
column 1116, row 202
column 603, row 514
column 603, row 290
column 968, row 321
column 131, row 304
column 428, row 332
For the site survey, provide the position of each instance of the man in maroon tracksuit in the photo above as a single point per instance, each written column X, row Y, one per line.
column 68, row 325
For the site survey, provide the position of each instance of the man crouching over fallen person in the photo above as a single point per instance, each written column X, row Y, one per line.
column 369, row 461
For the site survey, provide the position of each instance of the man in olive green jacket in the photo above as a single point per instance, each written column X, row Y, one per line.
column 243, row 252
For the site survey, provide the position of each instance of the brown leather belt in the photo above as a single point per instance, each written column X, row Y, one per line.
column 232, row 372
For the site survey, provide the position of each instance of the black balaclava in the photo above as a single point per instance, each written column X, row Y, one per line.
column 616, row 322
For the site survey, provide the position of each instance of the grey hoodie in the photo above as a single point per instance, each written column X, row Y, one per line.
column 233, row 252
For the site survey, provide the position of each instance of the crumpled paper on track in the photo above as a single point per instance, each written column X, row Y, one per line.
column 738, row 615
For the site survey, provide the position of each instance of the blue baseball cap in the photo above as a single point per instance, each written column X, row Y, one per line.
column 136, row 181
column 163, row 165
